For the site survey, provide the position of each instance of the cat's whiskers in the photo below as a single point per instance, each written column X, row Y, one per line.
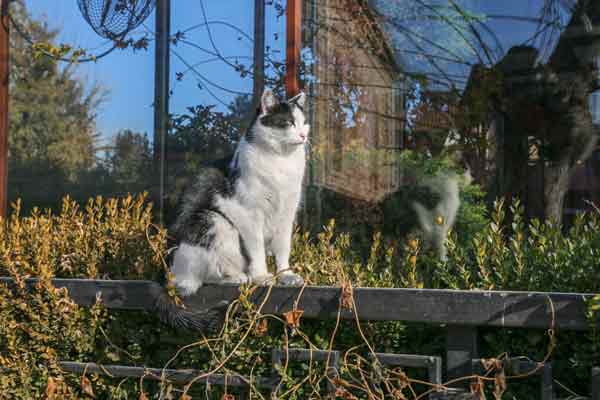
column 308, row 143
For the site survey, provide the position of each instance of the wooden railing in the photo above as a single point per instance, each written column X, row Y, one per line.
column 461, row 312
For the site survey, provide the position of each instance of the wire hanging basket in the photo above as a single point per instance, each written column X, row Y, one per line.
column 113, row 19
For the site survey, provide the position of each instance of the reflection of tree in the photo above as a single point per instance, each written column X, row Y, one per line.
column 472, row 129
column 130, row 162
column 52, row 113
column 539, row 106
column 203, row 134
column 538, row 91
column 432, row 120
column 52, row 139
column 346, row 96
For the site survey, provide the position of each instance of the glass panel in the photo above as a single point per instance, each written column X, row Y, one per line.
column 99, row 138
column 80, row 129
column 212, row 67
column 424, row 113
column 400, row 88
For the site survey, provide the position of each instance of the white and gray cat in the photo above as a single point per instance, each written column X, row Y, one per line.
column 243, row 208
column 435, row 223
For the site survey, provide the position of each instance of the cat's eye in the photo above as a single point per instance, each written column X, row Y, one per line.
column 290, row 123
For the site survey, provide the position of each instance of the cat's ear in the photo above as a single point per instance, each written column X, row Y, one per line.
column 299, row 100
column 267, row 101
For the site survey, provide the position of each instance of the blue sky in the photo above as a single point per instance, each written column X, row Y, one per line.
column 129, row 76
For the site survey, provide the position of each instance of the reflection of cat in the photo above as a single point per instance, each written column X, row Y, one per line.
column 435, row 223
column 238, row 211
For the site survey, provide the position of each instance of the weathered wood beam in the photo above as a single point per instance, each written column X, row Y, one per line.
column 456, row 307
column 452, row 307
column 122, row 295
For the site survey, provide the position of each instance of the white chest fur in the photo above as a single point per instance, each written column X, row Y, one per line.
column 269, row 181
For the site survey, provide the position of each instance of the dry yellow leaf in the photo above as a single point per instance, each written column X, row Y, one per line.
column 51, row 389
column 293, row 317
column 413, row 244
column 261, row 327
column 86, row 386
column 413, row 261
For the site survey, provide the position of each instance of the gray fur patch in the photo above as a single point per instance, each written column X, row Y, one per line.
column 198, row 211
column 280, row 117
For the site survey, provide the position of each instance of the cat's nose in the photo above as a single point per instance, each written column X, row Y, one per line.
column 302, row 136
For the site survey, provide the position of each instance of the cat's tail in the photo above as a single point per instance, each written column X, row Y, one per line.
column 425, row 217
column 206, row 321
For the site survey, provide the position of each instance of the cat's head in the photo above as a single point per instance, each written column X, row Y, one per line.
column 281, row 124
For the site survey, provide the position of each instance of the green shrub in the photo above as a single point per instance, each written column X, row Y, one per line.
column 116, row 239
column 38, row 327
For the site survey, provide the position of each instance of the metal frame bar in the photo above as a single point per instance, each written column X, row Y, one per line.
column 161, row 97
column 596, row 383
column 433, row 364
column 4, row 102
column 461, row 348
column 259, row 53
column 293, row 45
column 173, row 375
column 278, row 356
column 520, row 366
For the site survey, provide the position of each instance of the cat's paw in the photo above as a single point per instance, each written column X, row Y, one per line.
column 238, row 279
column 187, row 287
column 262, row 279
column 289, row 278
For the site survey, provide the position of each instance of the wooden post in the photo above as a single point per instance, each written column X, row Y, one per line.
column 293, row 44
column 461, row 348
column 4, row 79
column 547, row 386
column 259, row 53
column 161, row 96
column 595, row 383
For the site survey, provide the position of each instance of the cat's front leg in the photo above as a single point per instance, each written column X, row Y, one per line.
column 281, row 245
column 249, row 226
column 253, row 242
column 257, row 269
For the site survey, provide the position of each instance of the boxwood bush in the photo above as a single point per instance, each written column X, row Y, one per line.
column 116, row 239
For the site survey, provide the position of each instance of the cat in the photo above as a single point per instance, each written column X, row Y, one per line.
column 242, row 208
column 435, row 223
